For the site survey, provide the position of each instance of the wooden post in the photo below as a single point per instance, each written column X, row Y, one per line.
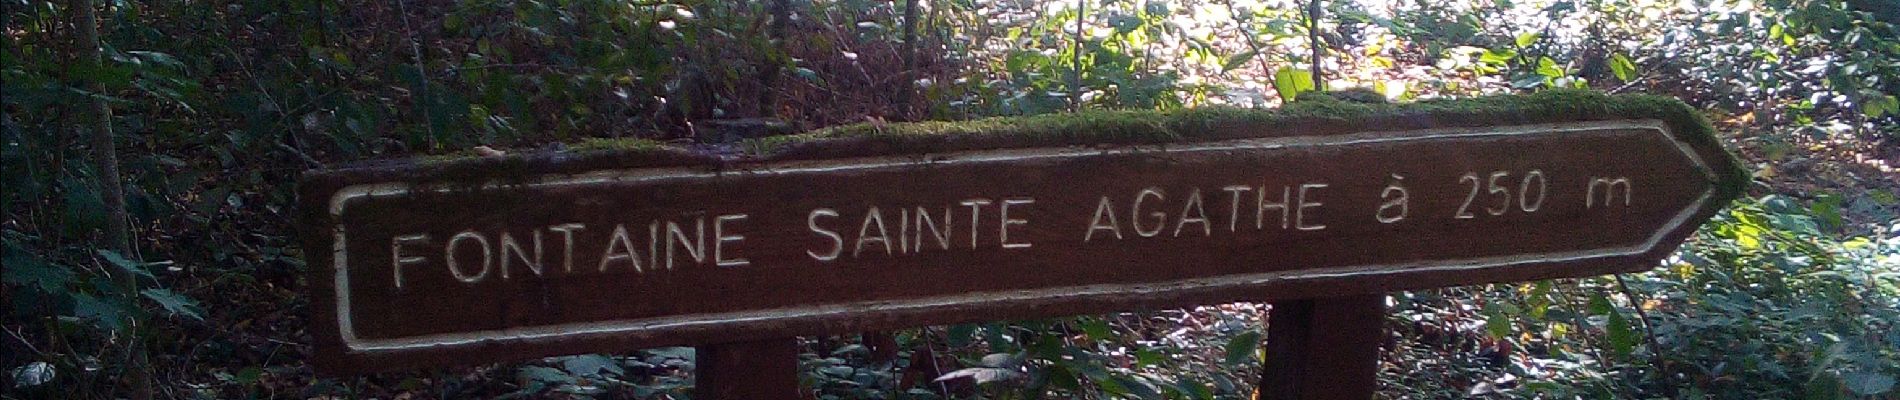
column 1323, row 349
column 763, row 370
column 883, row 346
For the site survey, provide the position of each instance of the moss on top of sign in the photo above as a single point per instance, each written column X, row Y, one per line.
column 471, row 167
column 618, row 145
column 1331, row 114
column 1315, row 114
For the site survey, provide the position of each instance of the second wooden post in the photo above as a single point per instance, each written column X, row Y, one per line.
column 1323, row 349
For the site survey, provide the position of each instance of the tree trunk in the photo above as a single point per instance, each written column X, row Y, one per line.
column 117, row 234
column 906, row 87
column 105, row 150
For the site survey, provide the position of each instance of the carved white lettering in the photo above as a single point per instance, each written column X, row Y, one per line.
column 653, row 244
column 1160, row 218
column 620, row 240
column 872, row 216
column 509, row 245
column 1299, row 216
column 1397, row 202
column 696, row 245
column 1504, row 195
column 903, row 231
column 397, row 259
column 1103, row 209
column 455, row 267
column 567, row 243
column 1524, row 190
column 1464, row 211
column 720, row 238
column 1002, row 230
column 943, row 236
column 1609, row 191
column 1233, row 207
column 976, row 211
column 837, row 242
column 1260, row 209
column 1199, row 215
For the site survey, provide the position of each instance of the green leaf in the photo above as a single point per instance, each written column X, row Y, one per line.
column 104, row 314
column 959, row 335
column 1880, row 105
column 1600, row 305
column 124, row 264
column 1527, row 38
column 1062, row 377
column 85, row 211
column 23, row 269
column 840, row 371
column 1238, row 59
column 1243, row 347
column 1529, row 81
column 1622, row 337
column 544, row 375
column 1549, row 68
column 1125, row 23
column 1823, row 387
column 1622, row 67
column 174, row 303
column 110, row 77
column 1497, row 324
column 1096, row 328
column 1112, row 387
column 248, row 375
column 1827, row 208
column 1138, row 388
column 1148, row 358
column 1194, row 389
column 1868, row 383
column 157, row 58
column 1290, row 82
column 1496, row 57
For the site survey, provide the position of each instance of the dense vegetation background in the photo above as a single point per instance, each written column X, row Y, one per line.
column 151, row 148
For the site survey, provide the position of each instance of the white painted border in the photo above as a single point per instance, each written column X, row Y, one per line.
column 605, row 328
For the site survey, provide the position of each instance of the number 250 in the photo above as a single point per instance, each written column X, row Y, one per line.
column 1503, row 194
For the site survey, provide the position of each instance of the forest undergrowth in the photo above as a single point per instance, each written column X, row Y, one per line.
column 216, row 107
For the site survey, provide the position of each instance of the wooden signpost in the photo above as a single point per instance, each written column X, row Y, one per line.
column 885, row 227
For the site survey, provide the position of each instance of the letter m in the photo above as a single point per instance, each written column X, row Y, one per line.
column 1609, row 191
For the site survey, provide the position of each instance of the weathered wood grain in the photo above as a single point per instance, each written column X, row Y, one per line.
column 418, row 266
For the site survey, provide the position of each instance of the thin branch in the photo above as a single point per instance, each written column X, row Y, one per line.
column 1313, row 13
column 1649, row 332
column 1075, row 82
column 422, row 75
column 1571, row 301
column 1259, row 55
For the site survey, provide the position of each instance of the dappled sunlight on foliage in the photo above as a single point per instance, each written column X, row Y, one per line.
column 218, row 106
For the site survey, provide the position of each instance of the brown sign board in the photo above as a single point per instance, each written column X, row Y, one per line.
column 424, row 264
